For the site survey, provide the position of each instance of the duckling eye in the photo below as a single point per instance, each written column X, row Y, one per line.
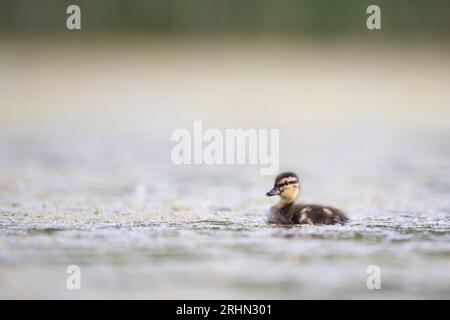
column 283, row 184
column 287, row 183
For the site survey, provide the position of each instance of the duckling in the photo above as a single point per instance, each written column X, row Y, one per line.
column 287, row 186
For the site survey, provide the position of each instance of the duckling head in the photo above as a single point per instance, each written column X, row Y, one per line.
column 287, row 186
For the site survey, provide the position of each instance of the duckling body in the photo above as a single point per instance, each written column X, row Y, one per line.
column 299, row 213
column 287, row 186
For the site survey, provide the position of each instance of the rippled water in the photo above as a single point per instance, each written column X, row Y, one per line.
column 140, row 227
column 86, row 177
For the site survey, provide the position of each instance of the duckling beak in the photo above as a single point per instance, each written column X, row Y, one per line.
column 274, row 192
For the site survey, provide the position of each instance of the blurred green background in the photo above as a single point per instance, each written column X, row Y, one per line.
column 316, row 17
column 135, row 63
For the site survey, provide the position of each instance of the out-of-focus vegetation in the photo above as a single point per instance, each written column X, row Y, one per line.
column 316, row 17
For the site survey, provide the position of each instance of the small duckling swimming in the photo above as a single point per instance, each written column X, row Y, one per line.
column 287, row 186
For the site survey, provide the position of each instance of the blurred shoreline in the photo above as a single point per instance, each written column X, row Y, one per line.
column 104, row 83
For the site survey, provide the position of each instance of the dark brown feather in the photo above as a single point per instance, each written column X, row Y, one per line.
column 308, row 214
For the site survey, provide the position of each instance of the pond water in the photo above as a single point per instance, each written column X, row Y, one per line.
column 86, row 177
column 140, row 227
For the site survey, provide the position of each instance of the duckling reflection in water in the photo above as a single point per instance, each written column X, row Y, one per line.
column 287, row 186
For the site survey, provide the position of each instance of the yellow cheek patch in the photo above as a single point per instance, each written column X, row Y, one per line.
column 289, row 192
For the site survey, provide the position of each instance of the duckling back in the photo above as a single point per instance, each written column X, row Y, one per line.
column 315, row 214
column 307, row 214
